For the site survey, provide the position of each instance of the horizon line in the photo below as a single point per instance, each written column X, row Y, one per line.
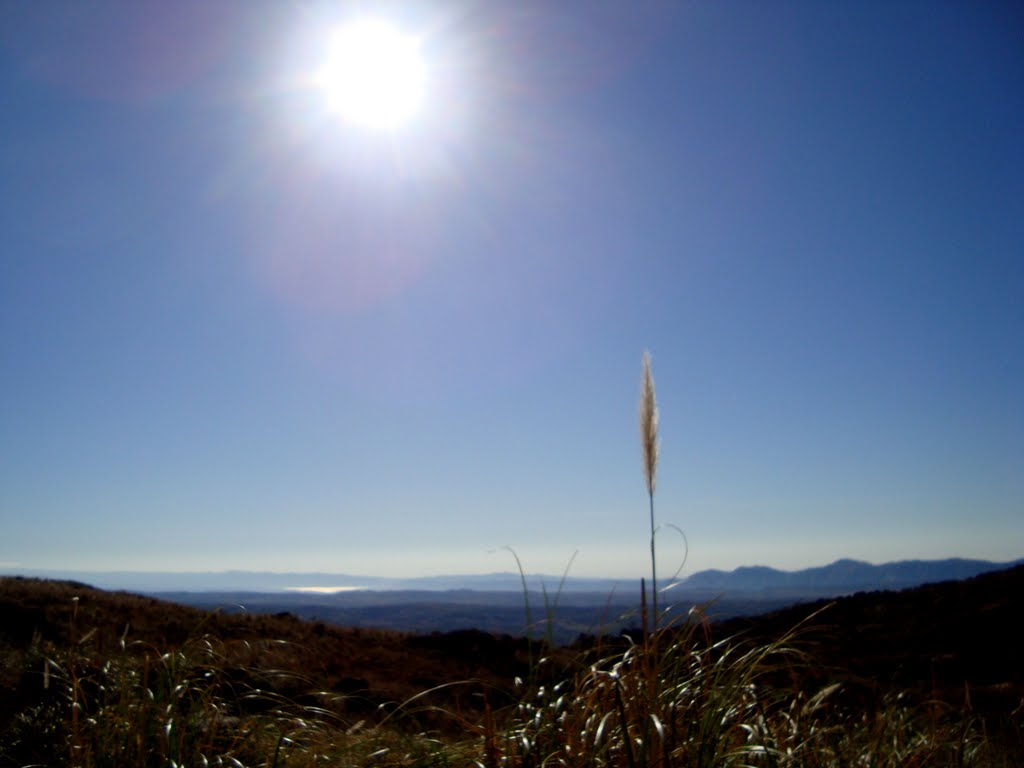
column 12, row 569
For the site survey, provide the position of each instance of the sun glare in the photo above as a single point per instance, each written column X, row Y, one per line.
column 374, row 75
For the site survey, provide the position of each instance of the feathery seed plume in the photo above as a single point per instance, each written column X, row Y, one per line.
column 649, row 424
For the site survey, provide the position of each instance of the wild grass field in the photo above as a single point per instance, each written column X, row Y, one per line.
column 926, row 677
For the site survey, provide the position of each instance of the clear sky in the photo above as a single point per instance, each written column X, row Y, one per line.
column 242, row 329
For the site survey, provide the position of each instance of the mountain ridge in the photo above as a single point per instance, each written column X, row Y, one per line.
column 845, row 574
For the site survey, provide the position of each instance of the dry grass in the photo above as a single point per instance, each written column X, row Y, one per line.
column 648, row 425
column 725, row 703
column 649, row 448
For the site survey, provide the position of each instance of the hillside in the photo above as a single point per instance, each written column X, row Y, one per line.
column 953, row 640
column 956, row 639
column 369, row 667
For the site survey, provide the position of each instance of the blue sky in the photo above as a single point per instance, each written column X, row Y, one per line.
column 237, row 331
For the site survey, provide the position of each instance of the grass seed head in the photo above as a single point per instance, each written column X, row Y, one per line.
column 649, row 424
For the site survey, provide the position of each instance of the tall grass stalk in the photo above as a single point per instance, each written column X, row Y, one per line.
column 649, row 445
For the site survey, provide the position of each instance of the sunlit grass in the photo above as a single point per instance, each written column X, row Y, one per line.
column 698, row 703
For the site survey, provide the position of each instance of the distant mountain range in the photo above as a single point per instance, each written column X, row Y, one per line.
column 841, row 577
column 496, row 602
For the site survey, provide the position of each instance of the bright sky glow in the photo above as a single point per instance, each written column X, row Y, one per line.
column 374, row 74
column 243, row 329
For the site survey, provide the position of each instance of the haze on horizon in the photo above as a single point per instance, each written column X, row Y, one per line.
column 241, row 328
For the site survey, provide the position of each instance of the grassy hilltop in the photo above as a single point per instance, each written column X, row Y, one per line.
column 929, row 676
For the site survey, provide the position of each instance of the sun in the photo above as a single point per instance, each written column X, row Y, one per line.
column 374, row 75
